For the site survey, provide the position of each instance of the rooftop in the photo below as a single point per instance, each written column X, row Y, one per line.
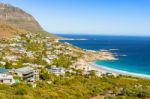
column 24, row 70
column 4, row 76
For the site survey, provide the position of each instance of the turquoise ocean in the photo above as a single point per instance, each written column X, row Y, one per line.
column 133, row 52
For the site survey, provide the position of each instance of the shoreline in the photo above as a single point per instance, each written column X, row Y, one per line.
column 103, row 69
column 72, row 39
column 104, row 55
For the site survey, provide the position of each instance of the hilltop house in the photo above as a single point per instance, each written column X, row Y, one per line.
column 7, row 79
column 57, row 70
column 11, row 58
column 52, row 57
column 82, row 65
column 33, row 65
column 28, row 73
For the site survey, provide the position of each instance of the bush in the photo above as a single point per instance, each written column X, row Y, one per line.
column 21, row 91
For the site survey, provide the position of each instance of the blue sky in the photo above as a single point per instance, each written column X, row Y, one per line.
column 106, row 17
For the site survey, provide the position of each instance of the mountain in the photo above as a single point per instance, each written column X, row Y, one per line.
column 7, row 31
column 17, row 18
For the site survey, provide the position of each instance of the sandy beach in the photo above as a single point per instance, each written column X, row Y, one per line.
column 104, row 70
column 100, row 69
column 87, row 63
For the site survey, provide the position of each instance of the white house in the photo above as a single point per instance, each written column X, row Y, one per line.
column 11, row 58
column 51, row 57
column 7, row 79
column 28, row 73
column 57, row 70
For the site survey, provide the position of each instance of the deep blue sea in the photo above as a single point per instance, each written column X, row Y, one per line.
column 133, row 52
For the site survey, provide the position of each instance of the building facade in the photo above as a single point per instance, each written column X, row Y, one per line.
column 28, row 73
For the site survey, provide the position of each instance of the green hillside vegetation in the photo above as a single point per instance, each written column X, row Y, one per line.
column 32, row 46
column 63, row 61
column 78, row 87
column 73, row 85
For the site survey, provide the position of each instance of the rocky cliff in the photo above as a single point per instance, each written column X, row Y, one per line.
column 18, row 18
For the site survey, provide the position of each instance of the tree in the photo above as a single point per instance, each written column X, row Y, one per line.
column 8, row 65
column 44, row 74
column 21, row 91
column 92, row 73
column 63, row 61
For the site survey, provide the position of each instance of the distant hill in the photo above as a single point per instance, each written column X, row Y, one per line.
column 13, row 17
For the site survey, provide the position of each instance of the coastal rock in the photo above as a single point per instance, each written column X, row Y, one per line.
column 92, row 56
column 84, row 63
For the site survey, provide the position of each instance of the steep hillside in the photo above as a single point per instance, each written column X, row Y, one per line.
column 18, row 18
column 7, row 31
